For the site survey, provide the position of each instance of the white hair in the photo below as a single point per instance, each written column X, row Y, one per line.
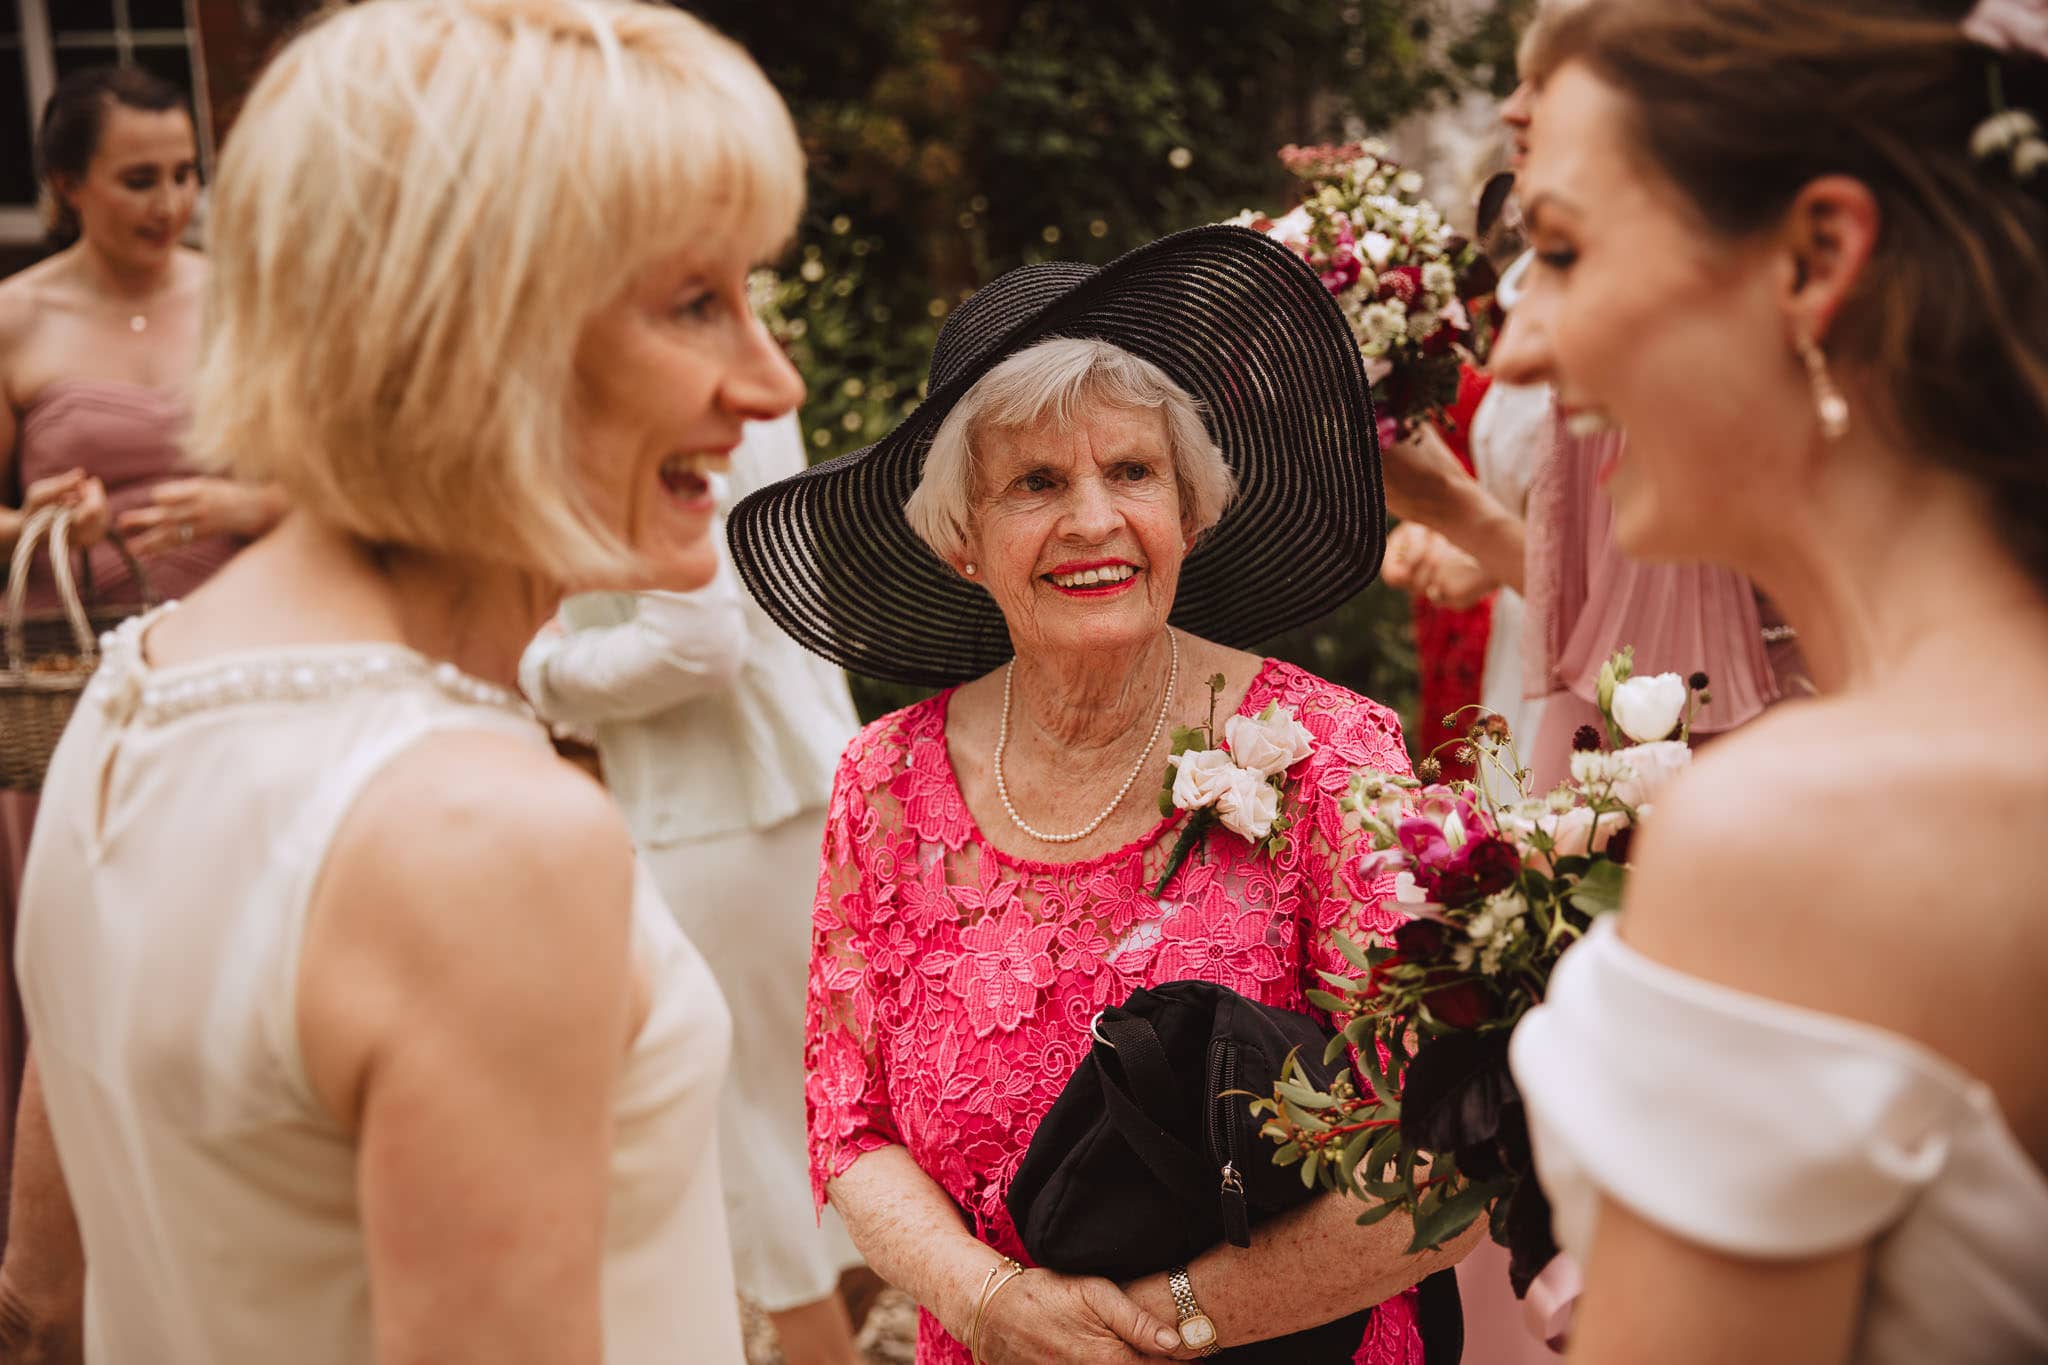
column 1063, row 379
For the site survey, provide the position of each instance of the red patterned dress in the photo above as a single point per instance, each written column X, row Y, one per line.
column 952, row 984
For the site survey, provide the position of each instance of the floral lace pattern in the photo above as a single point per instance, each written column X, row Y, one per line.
column 952, row 984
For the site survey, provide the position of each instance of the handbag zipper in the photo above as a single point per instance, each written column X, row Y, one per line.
column 1223, row 1142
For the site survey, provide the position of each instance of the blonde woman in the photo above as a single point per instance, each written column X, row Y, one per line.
column 361, row 1036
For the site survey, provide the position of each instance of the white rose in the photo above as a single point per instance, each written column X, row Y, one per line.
column 1650, row 769
column 1269, row 743
column 1377, row 248
column 1648, row 708
column 1409, row 182
column 1248, row 804
column 1201, row 777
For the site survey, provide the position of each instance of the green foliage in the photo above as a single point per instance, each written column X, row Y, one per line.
column 950, row 140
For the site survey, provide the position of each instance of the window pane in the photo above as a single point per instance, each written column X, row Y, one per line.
column 17, row 172
column 156, row 13
column 71, row 16
column 70, row 59
column 172, row 63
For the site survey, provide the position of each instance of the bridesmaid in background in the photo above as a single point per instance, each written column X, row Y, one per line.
column 97, row 343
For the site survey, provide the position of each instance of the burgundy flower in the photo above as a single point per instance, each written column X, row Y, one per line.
column 1483, row 867
column 1403, row 282
column 1420, row 940
column 1585, row 740
column 1464, row 1004
column 1617, row 847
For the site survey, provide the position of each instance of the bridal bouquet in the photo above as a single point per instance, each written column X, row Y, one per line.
column 1393, row 266
column 1497, row 891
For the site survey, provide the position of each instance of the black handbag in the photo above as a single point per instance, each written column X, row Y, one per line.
column 1145, row 1161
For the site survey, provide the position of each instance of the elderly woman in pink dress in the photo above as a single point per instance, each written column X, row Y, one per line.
column 1119, row 477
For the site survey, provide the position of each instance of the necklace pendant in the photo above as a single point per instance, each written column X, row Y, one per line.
column 138, row 323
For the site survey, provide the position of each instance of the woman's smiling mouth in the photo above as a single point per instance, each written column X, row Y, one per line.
column 1099, row 578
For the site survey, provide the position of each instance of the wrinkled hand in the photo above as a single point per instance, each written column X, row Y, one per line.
column 184, row 510
column 85, row 495
column 1042, row 1318
column 1448, row 577
column 33, row 1334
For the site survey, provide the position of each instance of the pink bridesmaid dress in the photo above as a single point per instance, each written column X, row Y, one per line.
column 1586, row 599
column 126, row 435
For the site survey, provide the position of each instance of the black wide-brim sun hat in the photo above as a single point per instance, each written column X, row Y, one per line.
column 1236, row 319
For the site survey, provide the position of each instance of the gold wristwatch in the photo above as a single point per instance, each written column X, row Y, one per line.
column 1196, row 1331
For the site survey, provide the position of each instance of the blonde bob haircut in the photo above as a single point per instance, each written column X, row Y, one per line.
column 1062, row 380
column 421, row 205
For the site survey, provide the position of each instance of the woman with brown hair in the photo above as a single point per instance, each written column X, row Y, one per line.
column 1795, row 249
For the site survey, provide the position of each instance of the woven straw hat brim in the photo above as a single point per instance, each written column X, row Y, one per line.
column 1239, row 321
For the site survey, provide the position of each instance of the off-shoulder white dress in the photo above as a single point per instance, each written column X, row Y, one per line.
column 1764, row 1130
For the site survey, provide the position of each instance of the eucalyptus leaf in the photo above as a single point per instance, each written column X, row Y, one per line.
column 1353, row 954
column 1446, row 1219
column 1375, row 1212
column 1323, row 1000
column 1599, row 891
column 1310, row 1165
column 1302, row 1119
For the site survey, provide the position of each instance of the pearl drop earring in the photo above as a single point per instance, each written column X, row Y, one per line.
column 968, row 568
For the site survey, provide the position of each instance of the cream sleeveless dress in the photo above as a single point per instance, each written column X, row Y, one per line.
column 184, row 824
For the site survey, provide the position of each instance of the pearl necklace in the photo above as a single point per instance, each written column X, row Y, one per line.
column 1003, row 742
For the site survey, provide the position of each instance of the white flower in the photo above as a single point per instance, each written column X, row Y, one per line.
column 1423, row 325
column 1650, row 769
column 1439, row 278
column 2028, row 158
column 1409, row 182
column 1201, row 777
column 1408, row 891
column 1594, row 769
column 1380, row 326
column 2003, row 132
column 1648, row 708
column 1269, row 743
column 1248, row 804
column 1377, row 248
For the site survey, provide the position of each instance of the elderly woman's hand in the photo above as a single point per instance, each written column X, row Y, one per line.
column 1076, row 1320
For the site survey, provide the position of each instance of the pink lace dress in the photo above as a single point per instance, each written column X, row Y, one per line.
column 952, row 984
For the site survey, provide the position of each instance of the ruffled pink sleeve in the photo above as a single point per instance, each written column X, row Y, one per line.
column 846, row 1095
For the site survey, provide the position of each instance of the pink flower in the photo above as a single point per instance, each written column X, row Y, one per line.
column 1219, row 940
column 1006, row 963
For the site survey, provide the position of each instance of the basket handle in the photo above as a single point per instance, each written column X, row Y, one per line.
column 56, row 522
column 140, row 577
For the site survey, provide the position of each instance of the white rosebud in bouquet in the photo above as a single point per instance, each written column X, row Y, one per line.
column 1200, row 777
column 1271, row 742
column 1248, row 804
column 1648, row 707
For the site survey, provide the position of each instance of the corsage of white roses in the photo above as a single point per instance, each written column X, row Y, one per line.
column 1241, row 785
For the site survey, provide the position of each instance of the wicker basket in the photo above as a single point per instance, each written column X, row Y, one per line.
column 50, row 655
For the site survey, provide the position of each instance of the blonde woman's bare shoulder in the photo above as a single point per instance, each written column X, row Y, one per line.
column 471, row 832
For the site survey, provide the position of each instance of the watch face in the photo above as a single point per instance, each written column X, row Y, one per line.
column 1197, row 1332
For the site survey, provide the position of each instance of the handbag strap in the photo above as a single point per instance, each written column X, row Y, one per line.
column 1143, row 1059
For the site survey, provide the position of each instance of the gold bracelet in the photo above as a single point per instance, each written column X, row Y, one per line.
column 1009, row 1270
